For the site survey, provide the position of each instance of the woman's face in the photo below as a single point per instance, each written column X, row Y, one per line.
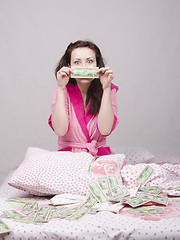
column 83, row 57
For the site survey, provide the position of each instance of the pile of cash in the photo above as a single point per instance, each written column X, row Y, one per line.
column 84, row 72
column 105, row 194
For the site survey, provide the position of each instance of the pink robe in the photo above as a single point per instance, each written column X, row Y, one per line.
column 83, row 133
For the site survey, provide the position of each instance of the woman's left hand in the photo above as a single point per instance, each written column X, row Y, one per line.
column 105, row 76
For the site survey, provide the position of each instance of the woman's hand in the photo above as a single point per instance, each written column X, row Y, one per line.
column 105, row 76
column 63, row 76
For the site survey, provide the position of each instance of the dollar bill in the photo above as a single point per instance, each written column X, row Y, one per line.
column 113, row 181
column 4, row 228
column 30, row 207
column 144, row 175
column 84, row 72
column 105, row 187
column 135, row 201
column 12, row 214
column 147, row 210
column 119, row 192
column 154, row 198
column 96, row 191
column 18, row 200
column 89, row 202
column 152, row 189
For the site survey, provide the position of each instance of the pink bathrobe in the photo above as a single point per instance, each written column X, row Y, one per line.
column 83, row 133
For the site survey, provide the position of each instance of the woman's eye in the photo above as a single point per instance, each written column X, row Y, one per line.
column 90, row 61
column 77, row 62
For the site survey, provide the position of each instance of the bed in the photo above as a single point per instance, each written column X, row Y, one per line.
column 103, row 224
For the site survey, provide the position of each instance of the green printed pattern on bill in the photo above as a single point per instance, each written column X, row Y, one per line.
column 4, row 227
column 84, row 72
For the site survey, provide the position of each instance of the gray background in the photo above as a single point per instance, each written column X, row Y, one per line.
column 139, row 40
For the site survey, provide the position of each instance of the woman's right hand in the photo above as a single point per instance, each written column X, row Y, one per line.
column 63, row 76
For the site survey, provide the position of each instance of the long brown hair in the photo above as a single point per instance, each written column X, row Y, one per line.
column 94, row 93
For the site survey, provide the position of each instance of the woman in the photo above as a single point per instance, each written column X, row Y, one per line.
column 84, row 110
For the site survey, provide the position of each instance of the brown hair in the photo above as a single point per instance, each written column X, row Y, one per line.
column 94, row 93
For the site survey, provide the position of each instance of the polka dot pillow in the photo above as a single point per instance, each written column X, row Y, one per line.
column 135, row 155
column 49, row 173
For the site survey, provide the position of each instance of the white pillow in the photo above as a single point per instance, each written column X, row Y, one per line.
column 134, row 155
column 107, row 165
column 45, row 173
column 49, row 173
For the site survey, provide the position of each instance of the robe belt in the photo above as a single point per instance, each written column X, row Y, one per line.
column 91, row 146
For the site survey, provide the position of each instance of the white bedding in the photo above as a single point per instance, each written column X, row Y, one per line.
column 102, row 225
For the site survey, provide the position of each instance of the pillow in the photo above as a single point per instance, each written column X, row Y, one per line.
column 45, row 173
column 165, row 175
column 107, row 165
column 134, row 155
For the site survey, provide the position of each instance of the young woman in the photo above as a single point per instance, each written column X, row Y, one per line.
column 84, row 110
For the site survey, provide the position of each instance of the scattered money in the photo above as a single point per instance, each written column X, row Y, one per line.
column 84, row 72
column 105, row 194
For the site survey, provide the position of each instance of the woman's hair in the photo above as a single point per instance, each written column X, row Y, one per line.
column 94, row 93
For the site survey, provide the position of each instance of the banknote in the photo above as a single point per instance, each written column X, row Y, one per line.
column 84, row 72
column 12, row 214
column 96, row 191
column 18, row 200
column 105, row 187
column 144, row 175
column 4, row 228
column 152, row 189
column 135, row 201
column 119, row 192
column 29, row 207
column 113, row 181
column 89, row 202
column 154, row 198
column 147, row 210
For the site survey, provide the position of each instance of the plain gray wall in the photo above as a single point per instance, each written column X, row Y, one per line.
column 139, row 40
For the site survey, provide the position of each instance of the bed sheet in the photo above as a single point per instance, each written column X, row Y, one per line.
column 102, row 225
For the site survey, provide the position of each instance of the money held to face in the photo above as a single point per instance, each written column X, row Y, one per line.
column 84, row 72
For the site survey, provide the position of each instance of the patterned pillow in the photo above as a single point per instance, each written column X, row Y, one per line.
column 134, row 155
column 107, row 165
column 49, row 173
column 45, row 173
